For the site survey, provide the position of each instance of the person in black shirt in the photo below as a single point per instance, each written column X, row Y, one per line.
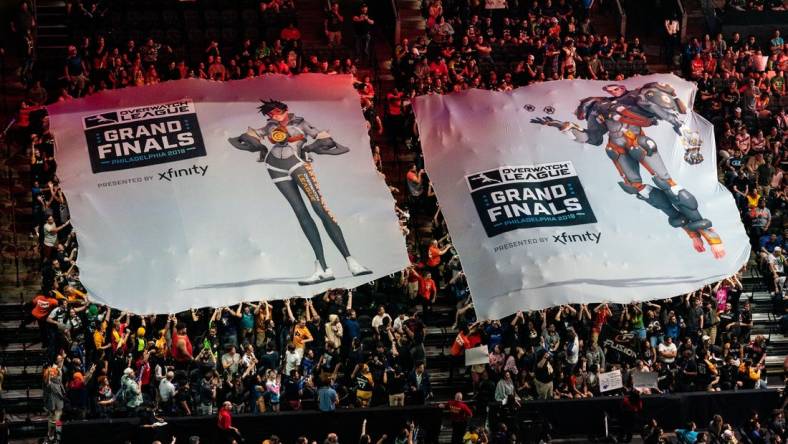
column 394, row 380
column 362, row 26
column 333, row 25
column 293, row 391
column 741, row 328
column 687, row 372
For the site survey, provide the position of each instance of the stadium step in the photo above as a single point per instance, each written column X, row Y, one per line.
column 23, row 426
column 22, row 401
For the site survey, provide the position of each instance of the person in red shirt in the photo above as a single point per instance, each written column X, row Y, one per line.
column 427, row 289
column 434, row 253
column 601, row 313
column 42, row 306
column 631, row 410
column 467, row 338
column 290, row 33
column 142, row 368
column 181, row 347
column 394, row 120
column 227, row 432
column 460, row 414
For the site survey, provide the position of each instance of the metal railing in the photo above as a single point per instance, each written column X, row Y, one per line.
column 683, row 13
column 622, row 15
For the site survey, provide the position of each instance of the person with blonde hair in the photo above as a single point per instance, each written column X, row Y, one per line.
column 334, row 331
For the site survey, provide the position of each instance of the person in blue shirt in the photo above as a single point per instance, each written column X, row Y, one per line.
column 351, row 326
column 327, row 399
column 688, row 435
column 770, row 241
column 776, row 43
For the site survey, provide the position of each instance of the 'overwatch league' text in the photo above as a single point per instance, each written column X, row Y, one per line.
column 530, row 196
column 142, row 136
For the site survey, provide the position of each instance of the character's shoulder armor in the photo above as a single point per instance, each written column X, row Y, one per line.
column 661, row 95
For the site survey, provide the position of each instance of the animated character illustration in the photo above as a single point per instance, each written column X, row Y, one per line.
column 283, row 148
column 623, row 117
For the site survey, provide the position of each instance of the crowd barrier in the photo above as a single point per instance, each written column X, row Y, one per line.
column 346, row 423
column 587, row 416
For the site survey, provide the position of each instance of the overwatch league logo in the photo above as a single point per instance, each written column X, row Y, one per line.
column 142, row 136
column 529, row 196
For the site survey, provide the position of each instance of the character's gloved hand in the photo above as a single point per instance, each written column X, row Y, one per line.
column 325, row 145
column 547, row 121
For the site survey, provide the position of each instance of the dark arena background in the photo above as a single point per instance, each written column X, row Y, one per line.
column 385, row 362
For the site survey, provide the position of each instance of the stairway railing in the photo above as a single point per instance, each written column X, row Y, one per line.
column 622, row 15
column 683, row 13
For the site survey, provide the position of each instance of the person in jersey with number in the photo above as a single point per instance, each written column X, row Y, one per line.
column 283, row 148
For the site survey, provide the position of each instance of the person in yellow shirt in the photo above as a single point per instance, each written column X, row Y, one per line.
column 73, row 295
column 301, row 335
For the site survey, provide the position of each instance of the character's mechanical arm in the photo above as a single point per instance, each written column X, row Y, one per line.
column 660, row 99
column 592, row 135
column 323, row 143
column 249, row 141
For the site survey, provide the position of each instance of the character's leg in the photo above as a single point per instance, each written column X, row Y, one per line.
column 306, row 179
column 683, row 201
column 629, row 170
column 289, row 190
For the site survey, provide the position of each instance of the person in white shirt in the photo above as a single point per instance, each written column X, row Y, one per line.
column 399, row 322
column 167, row 388
column 377, row 321
column 777, row 264
column 50, row 236
column 667, row 350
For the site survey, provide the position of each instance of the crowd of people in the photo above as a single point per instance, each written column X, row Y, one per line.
column 366, row 347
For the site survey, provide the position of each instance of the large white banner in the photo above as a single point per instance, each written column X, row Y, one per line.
column 580, row 191
column 197, row 193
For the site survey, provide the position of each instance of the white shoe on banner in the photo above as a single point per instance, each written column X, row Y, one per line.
column 355, row 268
column 320, row 275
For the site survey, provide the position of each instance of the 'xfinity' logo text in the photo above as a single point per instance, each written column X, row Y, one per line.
column 565, row 238
column 173, row 173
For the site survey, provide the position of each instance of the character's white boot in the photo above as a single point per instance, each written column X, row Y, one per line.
column 320, row 275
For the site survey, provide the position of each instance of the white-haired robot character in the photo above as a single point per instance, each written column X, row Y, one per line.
column 623, row 115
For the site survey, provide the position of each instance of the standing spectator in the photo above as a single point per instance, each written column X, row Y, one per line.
column 362, row 25
column 167, row 392
column 74, row 72
column 50, row 236
column 460, row 415
column 420, row 386
column 415, row 182
column 227, row 433
column 333, row 25
column 543, row 376
column 327, row 398
column 54, row 397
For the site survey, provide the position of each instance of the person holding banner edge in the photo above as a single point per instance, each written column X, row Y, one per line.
column 283, row 148
column 623, row 117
